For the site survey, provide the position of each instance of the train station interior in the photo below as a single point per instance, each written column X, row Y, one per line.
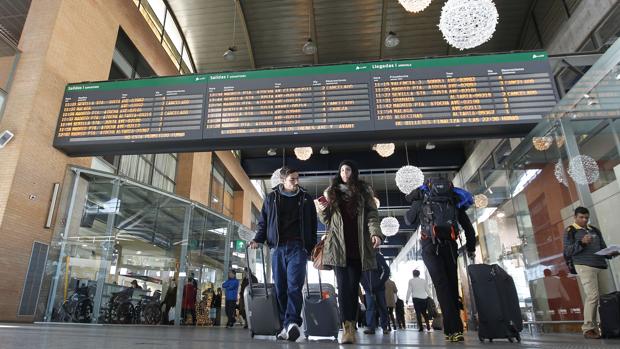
column 139, row 140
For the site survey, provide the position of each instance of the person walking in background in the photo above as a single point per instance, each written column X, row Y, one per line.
column 374, row 283
column 244, row 284
column 232, row 290
column 217, row 305
column 288, row 224
column 581, row 242
column 391, row 293
column 440, row 209
column 351, row 214
column 170, row 301
column 417, row 291
column 400, row 314
column 189, row 301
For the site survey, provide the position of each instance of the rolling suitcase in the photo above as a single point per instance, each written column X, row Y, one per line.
column 261, row 306
column 609, row 311
column 497, row 302
column 320, row 312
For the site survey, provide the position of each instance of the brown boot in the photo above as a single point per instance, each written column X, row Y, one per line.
column 591, row 334
column 348, row 333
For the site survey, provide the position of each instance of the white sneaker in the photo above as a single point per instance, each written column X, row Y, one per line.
column 283, row 335
column 292, row 333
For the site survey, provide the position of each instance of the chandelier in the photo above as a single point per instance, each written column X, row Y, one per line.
column 481, row 201
column 389, row 226
column 275, row 178
column 559, row 141
column 559, row 173
column 303, row 153
column 409, row 178
column 468, row 23
column 542, row 143
column 415, row 6
column 583, row 169
column 384, row 149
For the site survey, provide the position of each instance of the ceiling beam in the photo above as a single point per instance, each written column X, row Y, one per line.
column 383, row 27
column 526, row 21
column 313, row 31
column 248, row 40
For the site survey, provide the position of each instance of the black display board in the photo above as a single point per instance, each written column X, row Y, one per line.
column 499, row 95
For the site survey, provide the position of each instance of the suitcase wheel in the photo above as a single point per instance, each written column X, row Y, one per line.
column 490, row 340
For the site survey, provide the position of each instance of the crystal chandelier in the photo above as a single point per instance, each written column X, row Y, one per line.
column 559, row 173
column 385, row 149
column 409, row 178
column 481, row 201
column 468, row 23
column 415, row 6
column 542, row 143
column 303, row 153
column 583, row 169
column 389, row 226
column 275, row 178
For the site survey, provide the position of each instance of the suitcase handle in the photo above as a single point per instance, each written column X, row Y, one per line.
column 247, row 261
column 308, row 284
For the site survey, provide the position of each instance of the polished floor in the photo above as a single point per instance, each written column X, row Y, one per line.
column 19, row 336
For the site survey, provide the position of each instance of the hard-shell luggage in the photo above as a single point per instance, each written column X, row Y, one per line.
column 609, row 311
column 497, row 302
column 320, row 314
column 261, row 306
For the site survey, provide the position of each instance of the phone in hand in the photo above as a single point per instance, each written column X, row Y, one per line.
column 323, row 200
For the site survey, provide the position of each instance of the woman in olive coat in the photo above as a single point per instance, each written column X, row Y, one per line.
column 353, row 233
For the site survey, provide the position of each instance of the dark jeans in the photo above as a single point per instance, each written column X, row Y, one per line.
column 375, row 301
column 231, row 309
column 288, row 264
column 440, row 260
column 420, row 306
column 348, row 279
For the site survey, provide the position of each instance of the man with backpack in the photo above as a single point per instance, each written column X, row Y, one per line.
column 581, row 242
column 440, row 208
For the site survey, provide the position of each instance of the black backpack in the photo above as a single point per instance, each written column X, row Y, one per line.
column 439, row 212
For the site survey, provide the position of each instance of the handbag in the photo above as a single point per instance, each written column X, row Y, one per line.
column 317, row 256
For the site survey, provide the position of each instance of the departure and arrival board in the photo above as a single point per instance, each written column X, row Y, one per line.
column 439, row 98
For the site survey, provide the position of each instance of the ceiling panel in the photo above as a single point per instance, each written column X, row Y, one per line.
column 12, row 18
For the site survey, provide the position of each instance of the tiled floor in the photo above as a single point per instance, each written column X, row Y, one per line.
column 20, row 336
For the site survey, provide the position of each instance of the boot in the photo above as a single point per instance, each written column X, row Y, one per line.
column 348, row 334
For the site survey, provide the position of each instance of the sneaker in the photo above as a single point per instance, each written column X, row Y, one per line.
column 457, row 337
column 292, row 333
column 369, row 331
column 283, row 335
column 591, row 334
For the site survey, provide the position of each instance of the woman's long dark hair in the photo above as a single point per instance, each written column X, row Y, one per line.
column 356, row 186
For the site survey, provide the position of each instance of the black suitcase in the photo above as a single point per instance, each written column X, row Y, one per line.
column 497, row 302
column 609, row 311
column 261, row 306
column 320, row 313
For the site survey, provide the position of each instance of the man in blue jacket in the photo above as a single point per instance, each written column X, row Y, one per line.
column 232, row 290
column 288, row 224
column 373, row 282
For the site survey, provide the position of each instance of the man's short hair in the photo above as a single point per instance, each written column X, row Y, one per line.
column 416, row 273
column 285, row 171
column 581, row 210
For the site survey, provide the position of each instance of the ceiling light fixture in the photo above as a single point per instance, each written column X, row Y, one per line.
column 309, row 47
column 468, row 23
column 272, row 152
column 324, row 151
column 303, row 153
column 384, row 149
column 415, row 6
column 229, row 55
column 391, row 40
column 430, row 146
